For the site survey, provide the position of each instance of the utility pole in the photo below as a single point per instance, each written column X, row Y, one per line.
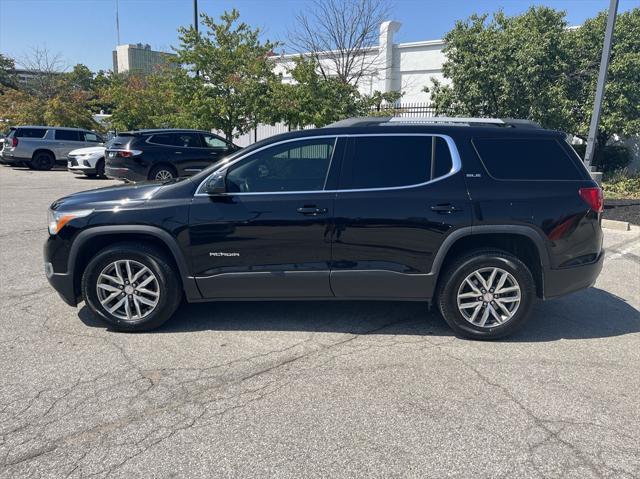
column 195, row 25
column 602, row 79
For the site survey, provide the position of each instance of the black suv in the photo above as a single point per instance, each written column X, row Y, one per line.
column 479, row 217
column 163, row 154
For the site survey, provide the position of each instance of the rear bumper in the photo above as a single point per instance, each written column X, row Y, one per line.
column 9, row 157
column 559, row 282
column 127, row 174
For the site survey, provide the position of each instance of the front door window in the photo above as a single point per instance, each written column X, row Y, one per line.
column 292, row 166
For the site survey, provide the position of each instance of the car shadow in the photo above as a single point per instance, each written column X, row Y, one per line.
column 592, row 313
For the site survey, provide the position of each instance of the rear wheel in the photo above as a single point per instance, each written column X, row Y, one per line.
column 132, row 286
column 487, row 294
column 162, row 173
column 42, row 160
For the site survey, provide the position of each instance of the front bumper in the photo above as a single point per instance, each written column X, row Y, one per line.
column 59, row 275
column 559, row 282
column 63, row 284
column 81, row 170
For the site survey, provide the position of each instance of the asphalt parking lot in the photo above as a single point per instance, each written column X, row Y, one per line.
column 309, row 389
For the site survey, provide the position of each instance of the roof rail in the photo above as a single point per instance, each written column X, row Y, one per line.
column 468, row 121
column 359, row 121
column 446, row 120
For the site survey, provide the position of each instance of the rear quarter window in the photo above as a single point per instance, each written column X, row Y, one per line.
column 526, row 159
column 30, row 133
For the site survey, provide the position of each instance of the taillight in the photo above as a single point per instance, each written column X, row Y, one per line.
column 593, row 197
column 14, row 142
column 127, row 153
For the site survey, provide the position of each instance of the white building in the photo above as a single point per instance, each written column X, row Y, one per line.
column 138, row 58
column 406, row 67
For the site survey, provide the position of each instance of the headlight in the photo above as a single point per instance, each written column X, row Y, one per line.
column 57, row 219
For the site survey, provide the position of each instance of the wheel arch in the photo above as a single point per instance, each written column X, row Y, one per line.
column 44, row 150
column 89, row 241
column 522, row 241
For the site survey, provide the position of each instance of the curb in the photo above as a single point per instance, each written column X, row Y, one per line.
column 615, row 225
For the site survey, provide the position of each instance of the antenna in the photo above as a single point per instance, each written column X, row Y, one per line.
column 117, row 24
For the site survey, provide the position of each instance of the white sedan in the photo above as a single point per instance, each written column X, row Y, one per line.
column 87, row 161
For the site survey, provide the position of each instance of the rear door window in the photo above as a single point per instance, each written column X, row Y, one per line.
column 167, row 139
column 30, row 132
column 68, row 135
column 389, row 161
column 212, row 141
column 526, row 159
column 188, row 140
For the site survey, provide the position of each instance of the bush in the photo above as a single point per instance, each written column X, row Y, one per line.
column 622, row 184
column 608, row 159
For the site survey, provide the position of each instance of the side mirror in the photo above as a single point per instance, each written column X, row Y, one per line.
column 216, row 184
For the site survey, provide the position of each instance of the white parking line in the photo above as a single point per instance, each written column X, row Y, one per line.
column 619, row 253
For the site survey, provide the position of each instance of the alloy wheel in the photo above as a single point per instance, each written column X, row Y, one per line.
column 489, row 297
column 128, row 290
column 163, row 175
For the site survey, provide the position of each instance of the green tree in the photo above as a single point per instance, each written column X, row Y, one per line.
column 621, row 106
column 7, row 76
column 313, row 99
column 69, row 110
column 146, row 101
column 506, row 67
column 235, row 71
column 532, row 66
column 18, row 107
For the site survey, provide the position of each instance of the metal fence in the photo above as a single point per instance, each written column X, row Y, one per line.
column 394, row 109
column 424, row 110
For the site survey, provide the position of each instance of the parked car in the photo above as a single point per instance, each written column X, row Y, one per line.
column 87, row 161
column 163, row 154
column 41, row 147
column 477, row 217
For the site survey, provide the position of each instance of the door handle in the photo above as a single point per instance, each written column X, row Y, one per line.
column 178, row 152
column 445, row 208
column 311, row 211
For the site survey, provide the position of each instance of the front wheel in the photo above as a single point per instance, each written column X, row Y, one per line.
column 487, row 294
column 132, row 286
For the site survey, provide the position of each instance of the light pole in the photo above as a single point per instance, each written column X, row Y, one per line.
column 195, row 26
column 602, row 79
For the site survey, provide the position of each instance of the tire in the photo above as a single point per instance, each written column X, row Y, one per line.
column 165, row 284
column 100, row 168
column 42, row 160
column 162, row 173
column 513, row 313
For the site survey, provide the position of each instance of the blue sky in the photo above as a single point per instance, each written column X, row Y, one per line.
column 83, row 31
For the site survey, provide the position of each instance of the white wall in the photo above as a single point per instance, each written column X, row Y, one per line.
column 406, row 67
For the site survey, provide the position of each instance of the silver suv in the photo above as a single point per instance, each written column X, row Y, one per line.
column 41, row 147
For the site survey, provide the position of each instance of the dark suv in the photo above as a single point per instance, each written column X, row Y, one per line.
column 477, row 217
column 163, row 154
